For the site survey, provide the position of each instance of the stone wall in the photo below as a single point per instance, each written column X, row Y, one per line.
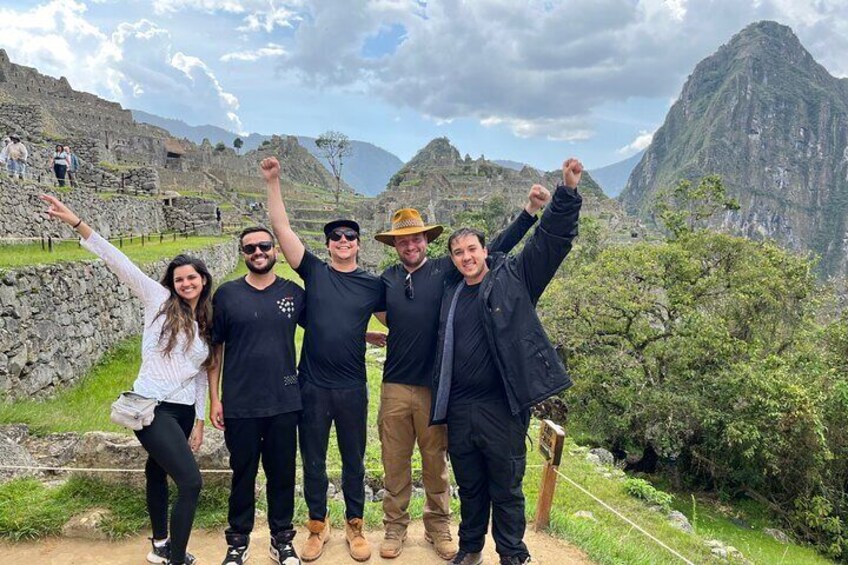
column 110, row 214
column 56, row 321
column 23, row 212
column 193, row 215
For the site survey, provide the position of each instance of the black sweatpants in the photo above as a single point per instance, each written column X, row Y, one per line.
column 169, row 454
column 348, row 408
column 274, row 440
column 488, row 455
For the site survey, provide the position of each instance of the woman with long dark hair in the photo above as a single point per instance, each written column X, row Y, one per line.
column 60, row 164
column 175, row 356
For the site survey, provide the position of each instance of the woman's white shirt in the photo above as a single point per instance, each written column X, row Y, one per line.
column 159, row 374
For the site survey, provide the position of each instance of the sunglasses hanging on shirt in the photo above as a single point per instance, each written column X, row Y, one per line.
column 408, row 288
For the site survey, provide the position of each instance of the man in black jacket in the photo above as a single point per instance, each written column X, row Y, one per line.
column 495, row 362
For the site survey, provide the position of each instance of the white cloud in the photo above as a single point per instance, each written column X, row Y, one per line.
column 270, row 19
column 132, row 64
column 270, row 50
column 642, row 141
column 539, row 66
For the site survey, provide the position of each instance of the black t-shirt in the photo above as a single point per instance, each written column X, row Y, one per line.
column 339, row 305
column 257, row 329
column 475, row 375
column 413, row 323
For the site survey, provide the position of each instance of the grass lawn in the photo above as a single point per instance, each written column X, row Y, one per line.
column 12, row 256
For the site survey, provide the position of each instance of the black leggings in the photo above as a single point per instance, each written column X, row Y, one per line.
column 60, row 171
column 169, row 454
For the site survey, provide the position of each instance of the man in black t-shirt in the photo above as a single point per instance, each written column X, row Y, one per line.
column 414, row 289
column 494, row 362
column 254, row 323
column 340, row 299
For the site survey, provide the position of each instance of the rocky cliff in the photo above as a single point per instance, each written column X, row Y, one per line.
column 773, row 123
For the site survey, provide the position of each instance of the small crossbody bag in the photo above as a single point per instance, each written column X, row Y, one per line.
column 134, row 411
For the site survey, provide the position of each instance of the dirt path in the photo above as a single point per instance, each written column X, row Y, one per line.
column 208, row 546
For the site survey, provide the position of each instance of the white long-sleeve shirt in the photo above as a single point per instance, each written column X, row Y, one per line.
column 159, row 374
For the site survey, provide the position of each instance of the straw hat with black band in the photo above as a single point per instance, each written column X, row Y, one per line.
column 407, row 221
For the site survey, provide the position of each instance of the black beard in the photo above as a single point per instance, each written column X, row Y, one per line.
column 265, row 269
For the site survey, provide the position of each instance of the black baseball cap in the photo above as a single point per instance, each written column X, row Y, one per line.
column 329, row 227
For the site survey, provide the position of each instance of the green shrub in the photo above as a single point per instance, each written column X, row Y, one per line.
column 643, row 490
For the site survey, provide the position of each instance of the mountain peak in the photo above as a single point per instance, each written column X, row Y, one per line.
column 438, row 153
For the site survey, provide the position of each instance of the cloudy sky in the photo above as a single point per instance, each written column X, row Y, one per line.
column 530, row 81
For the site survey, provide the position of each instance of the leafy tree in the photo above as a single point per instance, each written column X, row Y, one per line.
column 220, row 146
column 238, row 143
column 335, row 147
column 718, row 354
column 687, row 207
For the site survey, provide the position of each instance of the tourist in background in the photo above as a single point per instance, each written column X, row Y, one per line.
column 4, row 152
column 73, row 166
column 175, row 357
column 60, row 164
column 17, row 156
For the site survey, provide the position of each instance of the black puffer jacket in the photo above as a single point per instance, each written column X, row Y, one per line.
column 530, row 367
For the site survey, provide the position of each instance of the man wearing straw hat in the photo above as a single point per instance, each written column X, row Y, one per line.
column 414, row 291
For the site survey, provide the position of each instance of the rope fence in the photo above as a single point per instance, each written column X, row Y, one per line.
column 630, row 522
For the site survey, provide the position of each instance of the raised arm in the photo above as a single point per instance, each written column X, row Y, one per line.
column 150, row 291
column 546, row 249
column 510, row 236
column 291, row 245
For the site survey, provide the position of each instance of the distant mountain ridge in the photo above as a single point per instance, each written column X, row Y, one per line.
column 367, row 170
column 773, row 123
column 613, row 177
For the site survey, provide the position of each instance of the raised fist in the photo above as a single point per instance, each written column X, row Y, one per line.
column 537, row 198
column 572, row 171
column 270, row 168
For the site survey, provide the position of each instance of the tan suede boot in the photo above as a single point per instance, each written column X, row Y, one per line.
column 319, row 533
column 358, row 546
column 442, row 542
column 392, row 544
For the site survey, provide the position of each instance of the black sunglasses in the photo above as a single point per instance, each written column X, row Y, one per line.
column 350, row 235
column 264, row 246
column 407, row 286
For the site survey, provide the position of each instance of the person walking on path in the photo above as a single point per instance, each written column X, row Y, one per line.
column 175, row 357
column 60, row 164
column 17, row 155
column 414, row 289
column 494, row 362
column 255, row 321
column 340, row 298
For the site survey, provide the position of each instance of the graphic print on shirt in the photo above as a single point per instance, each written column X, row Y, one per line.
column 286, row 305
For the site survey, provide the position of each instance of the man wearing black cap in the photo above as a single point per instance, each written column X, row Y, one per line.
column 340, row 298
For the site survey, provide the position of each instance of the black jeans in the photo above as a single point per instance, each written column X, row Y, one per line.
column 169, row 454
column 60, row 171
column 348, row 408
column 274, row 440
column 488, row 455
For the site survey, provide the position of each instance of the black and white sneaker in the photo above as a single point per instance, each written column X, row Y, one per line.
column 282, row 550
column 159, row 553
column 236, row 555
column 189, row 560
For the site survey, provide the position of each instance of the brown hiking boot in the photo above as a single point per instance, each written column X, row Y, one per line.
column 442, row 542
column 319, row 533
column 356, row 542
column 392, row 543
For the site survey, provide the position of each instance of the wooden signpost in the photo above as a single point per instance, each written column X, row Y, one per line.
column 551, row 440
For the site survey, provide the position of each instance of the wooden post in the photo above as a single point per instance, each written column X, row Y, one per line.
column 551, row 440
